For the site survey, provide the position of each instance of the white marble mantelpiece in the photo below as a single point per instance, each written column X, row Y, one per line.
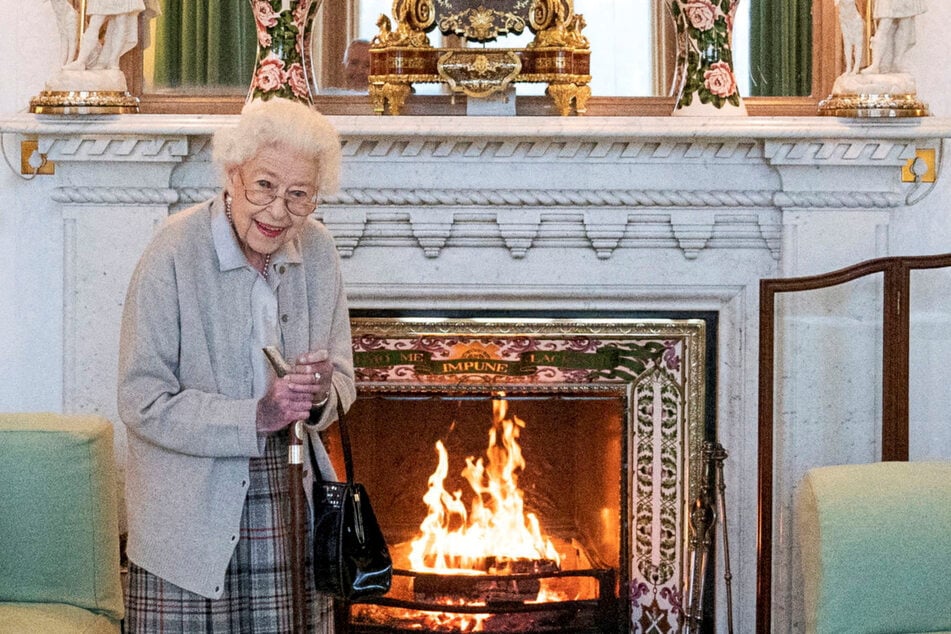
column 631, row 164
column 516, row 214
column 620, row 172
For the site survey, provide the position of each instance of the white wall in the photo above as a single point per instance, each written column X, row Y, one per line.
column 926, row 228
column 30, row 246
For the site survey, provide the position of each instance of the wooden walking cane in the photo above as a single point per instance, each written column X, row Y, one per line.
column 295, row 468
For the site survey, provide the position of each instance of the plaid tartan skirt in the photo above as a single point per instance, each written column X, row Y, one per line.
column 257, row 596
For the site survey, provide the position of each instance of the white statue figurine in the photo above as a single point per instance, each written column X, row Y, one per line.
column 884, row 88
column 67, row 21
column 112, row 29
column 853, row 34
column 92, row 60
column 894, row 34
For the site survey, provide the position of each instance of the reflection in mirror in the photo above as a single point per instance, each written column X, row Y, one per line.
column 621, row 31
column 208, row 48
column 200, row 47
column 779, row 41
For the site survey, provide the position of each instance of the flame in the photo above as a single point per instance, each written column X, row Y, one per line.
column 451, row 621
column 495, row 529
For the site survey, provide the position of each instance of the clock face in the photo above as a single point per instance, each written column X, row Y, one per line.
column 482, row 20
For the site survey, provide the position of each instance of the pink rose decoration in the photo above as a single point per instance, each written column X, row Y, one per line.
column 264, row 38
column 264, row 15
column 270, row 74
column 264, row 18
column 701, row 14
column 300, row 14
column 719, row 80
column 297, row 80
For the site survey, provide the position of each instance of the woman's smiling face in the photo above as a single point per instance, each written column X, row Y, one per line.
column 264, row 228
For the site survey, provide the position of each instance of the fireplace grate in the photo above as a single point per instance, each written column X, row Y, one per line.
column 400, row 612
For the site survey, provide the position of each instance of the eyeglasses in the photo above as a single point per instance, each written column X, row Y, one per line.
column 300, row 201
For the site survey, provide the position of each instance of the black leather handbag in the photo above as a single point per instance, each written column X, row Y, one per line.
column 351, row 558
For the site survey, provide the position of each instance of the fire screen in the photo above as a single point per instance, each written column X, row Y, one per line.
column 530, row 475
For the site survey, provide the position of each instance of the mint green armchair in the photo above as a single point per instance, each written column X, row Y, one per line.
column 876, row 548
column 59, row 533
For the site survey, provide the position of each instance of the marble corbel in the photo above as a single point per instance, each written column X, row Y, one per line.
column 347, row 224
column 604, row 228
column 519, row 227
column 431, row 228
column 692, row 230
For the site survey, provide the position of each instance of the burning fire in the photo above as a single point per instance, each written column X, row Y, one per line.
column 495, row 531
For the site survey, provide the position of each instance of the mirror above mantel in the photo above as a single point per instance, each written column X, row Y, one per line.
column 620, row 86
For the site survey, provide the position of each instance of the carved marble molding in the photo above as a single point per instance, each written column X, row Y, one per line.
column 849, row 152
column 115, row 196
column 520, row 229
column 779, row 140
column 106, row 147
column 546, row 149
column 551, row 198
column 523, row 182
column 838, row 200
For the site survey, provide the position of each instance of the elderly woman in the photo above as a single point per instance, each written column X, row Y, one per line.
column 207, row 467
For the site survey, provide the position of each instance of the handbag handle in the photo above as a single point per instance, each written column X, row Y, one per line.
column 344, row 437
column 344, row 442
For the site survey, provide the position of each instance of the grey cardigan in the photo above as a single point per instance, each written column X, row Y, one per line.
column 184, row 388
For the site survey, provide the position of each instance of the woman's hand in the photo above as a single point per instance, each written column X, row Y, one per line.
column 290, row 398
column 315, row 372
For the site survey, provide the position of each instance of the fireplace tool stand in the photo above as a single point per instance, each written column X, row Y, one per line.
column 709, row 506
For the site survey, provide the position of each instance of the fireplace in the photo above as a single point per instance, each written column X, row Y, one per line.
column 590, row 429
column 609, row 215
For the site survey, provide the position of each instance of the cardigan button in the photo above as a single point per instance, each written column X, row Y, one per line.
column 284, row 318
column 282, row 269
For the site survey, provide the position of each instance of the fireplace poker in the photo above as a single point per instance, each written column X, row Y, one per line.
column 702, row 521
column 709, row 507
column 295, row 467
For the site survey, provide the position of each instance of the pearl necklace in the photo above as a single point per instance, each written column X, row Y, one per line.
column 267, row 258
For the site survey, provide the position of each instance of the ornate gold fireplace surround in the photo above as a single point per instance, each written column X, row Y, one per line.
column 656, row 367
column 559, row 55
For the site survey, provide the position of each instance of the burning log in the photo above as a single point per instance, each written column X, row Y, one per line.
column 500, row 585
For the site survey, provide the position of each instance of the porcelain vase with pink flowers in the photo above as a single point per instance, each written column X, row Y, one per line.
column 283, row 65
column 704, row 80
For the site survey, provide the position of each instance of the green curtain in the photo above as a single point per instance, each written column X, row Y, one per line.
column 204, row 43
column 781, row 47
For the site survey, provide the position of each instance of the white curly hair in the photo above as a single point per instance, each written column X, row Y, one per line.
column 281, row 122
